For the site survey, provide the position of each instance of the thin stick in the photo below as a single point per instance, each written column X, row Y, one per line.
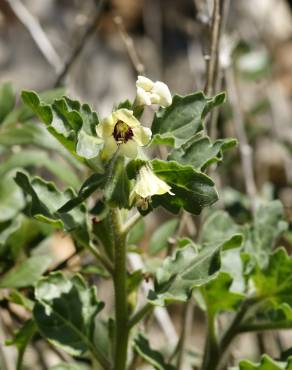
column 37, row 34
column 187, row 321
column 244, row 147
column 81, row 44
column 212, row 59
column 130, row 46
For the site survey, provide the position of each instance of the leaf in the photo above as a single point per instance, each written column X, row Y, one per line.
column 273, row 282
column 193, row 190
column 66, row 366
column 159, row 239
column 7, row 100
column 11, row 198
column 200, row 153
column 8, row 228
column 218, row 297
column 32, row 133
column 46, row 200
column 175, row 124
column 26, row 273
column 21, row 340
column 37, row 158
column 24, row 113
column 268, row 225
column 218, row 226
column 137, row 233
column 18, row 298
column 65, row 312
column 153, row 357
column 266, row 364
column 188, row 269
column 70, row 122
column 91, row 184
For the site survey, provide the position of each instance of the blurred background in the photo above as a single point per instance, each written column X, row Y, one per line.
column 96, row 51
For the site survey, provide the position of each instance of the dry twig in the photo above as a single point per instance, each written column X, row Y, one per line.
column 37, row 33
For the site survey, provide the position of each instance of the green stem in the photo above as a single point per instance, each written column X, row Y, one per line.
column 120, row 287
column 131, row 222
column 140, row 314
column 280, row 325
column 211, row 352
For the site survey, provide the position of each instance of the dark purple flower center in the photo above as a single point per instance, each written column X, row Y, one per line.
column 122, row 132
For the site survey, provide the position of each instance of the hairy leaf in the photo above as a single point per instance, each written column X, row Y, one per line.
column 175, row 124
column 26, row 273
column 153, row 357
column 65, row 312
column 200, row 153
column 188, row 269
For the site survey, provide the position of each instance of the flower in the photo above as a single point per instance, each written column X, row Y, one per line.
column 149, row 92
column 147, row 185
column 122, row 130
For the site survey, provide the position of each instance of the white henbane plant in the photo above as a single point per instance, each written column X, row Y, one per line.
column 114, row 186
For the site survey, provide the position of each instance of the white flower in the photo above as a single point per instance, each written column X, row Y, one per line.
column 147, row 185
column 149, row 92
column 122, row 130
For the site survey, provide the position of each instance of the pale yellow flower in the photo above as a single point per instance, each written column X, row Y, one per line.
column 148, row 184
column 149, row 92
column 122, row 130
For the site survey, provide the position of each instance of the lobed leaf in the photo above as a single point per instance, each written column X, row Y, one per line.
column 175, row 124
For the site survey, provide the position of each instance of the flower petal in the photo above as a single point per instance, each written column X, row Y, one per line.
column 143, row 97
column 110, row 147
column 148, row 184
column 126, row 116
column 161, row 89
column 145, row 83
column 129, row 149
column 106, row 126
column 142, row 135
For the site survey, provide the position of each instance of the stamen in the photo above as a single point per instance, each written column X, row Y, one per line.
column 122, row 132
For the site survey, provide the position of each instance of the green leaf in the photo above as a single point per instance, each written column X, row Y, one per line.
column 26, row 273
column 268, row 225
column 193, row 190
column 273, row 282
column 266, row 364
column 153, row 357
column 23, row 113
column 37, row 158
column 8, row 228
column 18, row 298
column 218, row 226
column 21, row 340
column 159, row 239
column 188, row 269
column 65, row 312
column 11, row 198
column 91, row 184
column 175, row 124
column 137, row 233
column 200, row 153
column 70, row 122
column 218, row 296
column 46, row 200
column 7, row 100
column 64, row 366
column 32, row 133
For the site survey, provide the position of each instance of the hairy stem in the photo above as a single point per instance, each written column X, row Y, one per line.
column 120, row 287
column 211, row 352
